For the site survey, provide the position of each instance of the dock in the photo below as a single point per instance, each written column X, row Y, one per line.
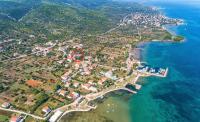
column 150, row 71
column 159, row 75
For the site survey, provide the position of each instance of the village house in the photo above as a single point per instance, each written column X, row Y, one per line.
column 86, row 86
column 63, row 49
column 50, row 43
column 5, row 105
column 88, row 60
column 110, row 75
column 41, row 50
column 67, row 84
column 89, row 87
column 46, row 110
column 55, row 116
column 60, row 61
column 65, row 77
column 93, row 89
column 77, row 66
column 66, row 65
column 86, row 70
column 102, row 80
column 69, row 57
column 94, row 65
column 76, row 84
column 92, row 82
column 73, row 95
column 32, row 36
column 121, row 80
column 79, row 46
column 16, row 119
column 62, row 92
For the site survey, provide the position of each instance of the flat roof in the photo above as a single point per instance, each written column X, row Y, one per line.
column 55, row 116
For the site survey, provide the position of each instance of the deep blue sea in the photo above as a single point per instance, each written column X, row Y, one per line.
column 177, row 97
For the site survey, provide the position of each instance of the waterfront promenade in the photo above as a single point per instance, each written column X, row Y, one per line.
column 82, row 105
column 119, row 85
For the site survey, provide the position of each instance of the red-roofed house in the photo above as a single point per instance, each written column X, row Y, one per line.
column 102, row 80
column 62, row 92
column 16, row 119
column 73, row 95
column 46, row 109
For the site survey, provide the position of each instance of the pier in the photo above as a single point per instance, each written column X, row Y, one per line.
column 150, row 71
column 129, row 90
column 158, row 75
column 91, row 97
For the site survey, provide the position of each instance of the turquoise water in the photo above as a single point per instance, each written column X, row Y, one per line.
column 177, row 97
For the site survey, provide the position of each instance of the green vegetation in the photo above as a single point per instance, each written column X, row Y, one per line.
column 3, row 87
column 42, row 98
column 4, row 118
column 38, row 35
column 16, row 10
column 178, row 38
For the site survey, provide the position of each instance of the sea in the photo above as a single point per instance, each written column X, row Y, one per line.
column 175, row 98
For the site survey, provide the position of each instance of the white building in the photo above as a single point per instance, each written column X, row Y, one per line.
column 55, row 116
column 93, row 89
column 5, row 105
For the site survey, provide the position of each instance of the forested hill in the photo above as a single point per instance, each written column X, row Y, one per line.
column 58, row 19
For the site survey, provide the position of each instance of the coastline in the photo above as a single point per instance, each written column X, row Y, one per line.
column 101, row 96
column 161, row 99
column 172, row 98
column 128, row 81
column 113, row 106
column 132, row 79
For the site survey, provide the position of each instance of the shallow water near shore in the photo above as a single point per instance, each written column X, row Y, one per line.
column 175, row 98
column 112, row 105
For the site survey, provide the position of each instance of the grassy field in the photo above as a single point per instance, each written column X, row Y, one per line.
column 4, row 118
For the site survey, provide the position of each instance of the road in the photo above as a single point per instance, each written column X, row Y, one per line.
column 24, row 55
column 118, row 26
column 21, row 112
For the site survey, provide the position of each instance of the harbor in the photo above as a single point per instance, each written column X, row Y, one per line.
column 152, row 71
column 83, row 102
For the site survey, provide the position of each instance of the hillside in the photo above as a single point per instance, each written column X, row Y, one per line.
column 61, row 18
column 64, row 19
